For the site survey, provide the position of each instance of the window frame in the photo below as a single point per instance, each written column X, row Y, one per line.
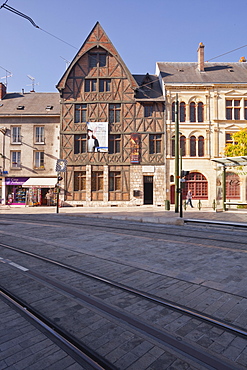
column 115, row 181
column 80, row 143
column 96, row 56
column 39, row 158
column 15, row 163
column 114, row 144
column 39, row 137
column 80, row 113
column 97, row 181
column 80, row 180
column 16, row 137
column 114, row 113
column 155, row 143
column 148, row 110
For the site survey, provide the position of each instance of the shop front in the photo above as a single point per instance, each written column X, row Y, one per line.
column 40, row 191
column 15, row 193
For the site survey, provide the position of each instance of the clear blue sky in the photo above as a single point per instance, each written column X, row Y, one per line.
column 143, row 32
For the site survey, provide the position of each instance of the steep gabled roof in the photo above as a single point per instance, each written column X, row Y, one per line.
column 172, row 72
column 96, row 38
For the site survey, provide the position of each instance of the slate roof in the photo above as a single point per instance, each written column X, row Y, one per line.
column 32, row 103
column 186, row 73
column 149, row 88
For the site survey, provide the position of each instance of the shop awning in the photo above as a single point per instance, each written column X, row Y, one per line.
column 40, row 182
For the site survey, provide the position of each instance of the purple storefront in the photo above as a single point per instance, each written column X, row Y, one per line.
column 15, row 193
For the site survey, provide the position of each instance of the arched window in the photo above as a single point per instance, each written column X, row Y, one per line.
column 182, row 111
column 200, row 112
column 201, row 146
column 173, row 111
column 192, row 112
column 232, row 186
column 192, row 146
column 198, row 184
column 183, row 145
column 173, row 146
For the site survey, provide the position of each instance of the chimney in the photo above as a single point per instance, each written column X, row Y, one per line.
column 200, row 53
column 2, row 90
column 242, row 60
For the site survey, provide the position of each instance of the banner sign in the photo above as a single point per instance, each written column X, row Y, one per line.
column 135, row 148
column 15, row 180
column 97, row 137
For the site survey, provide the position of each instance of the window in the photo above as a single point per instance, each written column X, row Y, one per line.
column 192, row 146
column 198, row 184
column 91, row 85
column 182, row 115
column 80, row 143
column 79, row 180
column 16, row 135
column 201, row 146
column 192, row 112
column 229, row 139
column 148, row 110
column 114, row 113
column 114, row 143
column 233, row 109
column 155, row 143
column 200, row 112
column 115, row 181
column 183, row 145
column 104, row 85
column 97, row 181
column 245, row 109
column 80, row 113
column 39, row 160
column 173, row 146
column 97, row 60
column 39, row 134
column 15, row 159
column 173, row 111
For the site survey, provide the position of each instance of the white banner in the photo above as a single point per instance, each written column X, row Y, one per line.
column 97, row 136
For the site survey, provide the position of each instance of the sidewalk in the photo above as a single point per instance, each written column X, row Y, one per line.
column 143, row 213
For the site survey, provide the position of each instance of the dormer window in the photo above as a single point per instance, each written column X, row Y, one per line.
column 49, row 107
column 20, row 107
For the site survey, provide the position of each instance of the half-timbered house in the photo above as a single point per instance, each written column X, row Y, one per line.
column 112, row 129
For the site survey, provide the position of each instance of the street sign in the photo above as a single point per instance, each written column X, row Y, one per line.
column 61, row 165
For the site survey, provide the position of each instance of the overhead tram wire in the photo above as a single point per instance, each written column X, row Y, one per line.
column 17, row 12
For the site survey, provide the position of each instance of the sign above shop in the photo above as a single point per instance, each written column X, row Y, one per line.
column 15, row 180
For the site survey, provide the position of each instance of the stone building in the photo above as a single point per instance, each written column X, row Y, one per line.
column 112, row 129
column 212, row 99
column 29, row 146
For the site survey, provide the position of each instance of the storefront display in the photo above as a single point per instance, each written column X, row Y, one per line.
column 15, row 193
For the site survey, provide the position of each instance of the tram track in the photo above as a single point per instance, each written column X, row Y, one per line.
column 166, row 303
column 153, row 231
column 196, row 353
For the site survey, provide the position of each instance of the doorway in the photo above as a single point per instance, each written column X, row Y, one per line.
column 148, row 189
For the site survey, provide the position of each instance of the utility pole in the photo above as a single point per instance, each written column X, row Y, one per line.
column 176, row 155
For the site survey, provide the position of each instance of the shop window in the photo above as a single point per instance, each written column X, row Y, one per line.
column 232, row 186
column 39, row 134
column 39, row 160
column 80, row 113
column 198, row 184
column 115, row 181
column 97, row 181
column 114, row 143
column 79, row 180
column 155, row 143
column 16, row 134
column 114, row 113
column 80, row 143
column 16, row 159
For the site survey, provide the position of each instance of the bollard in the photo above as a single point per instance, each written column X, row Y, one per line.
column 185, row 205
column 199, row 205
column 214, row 205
